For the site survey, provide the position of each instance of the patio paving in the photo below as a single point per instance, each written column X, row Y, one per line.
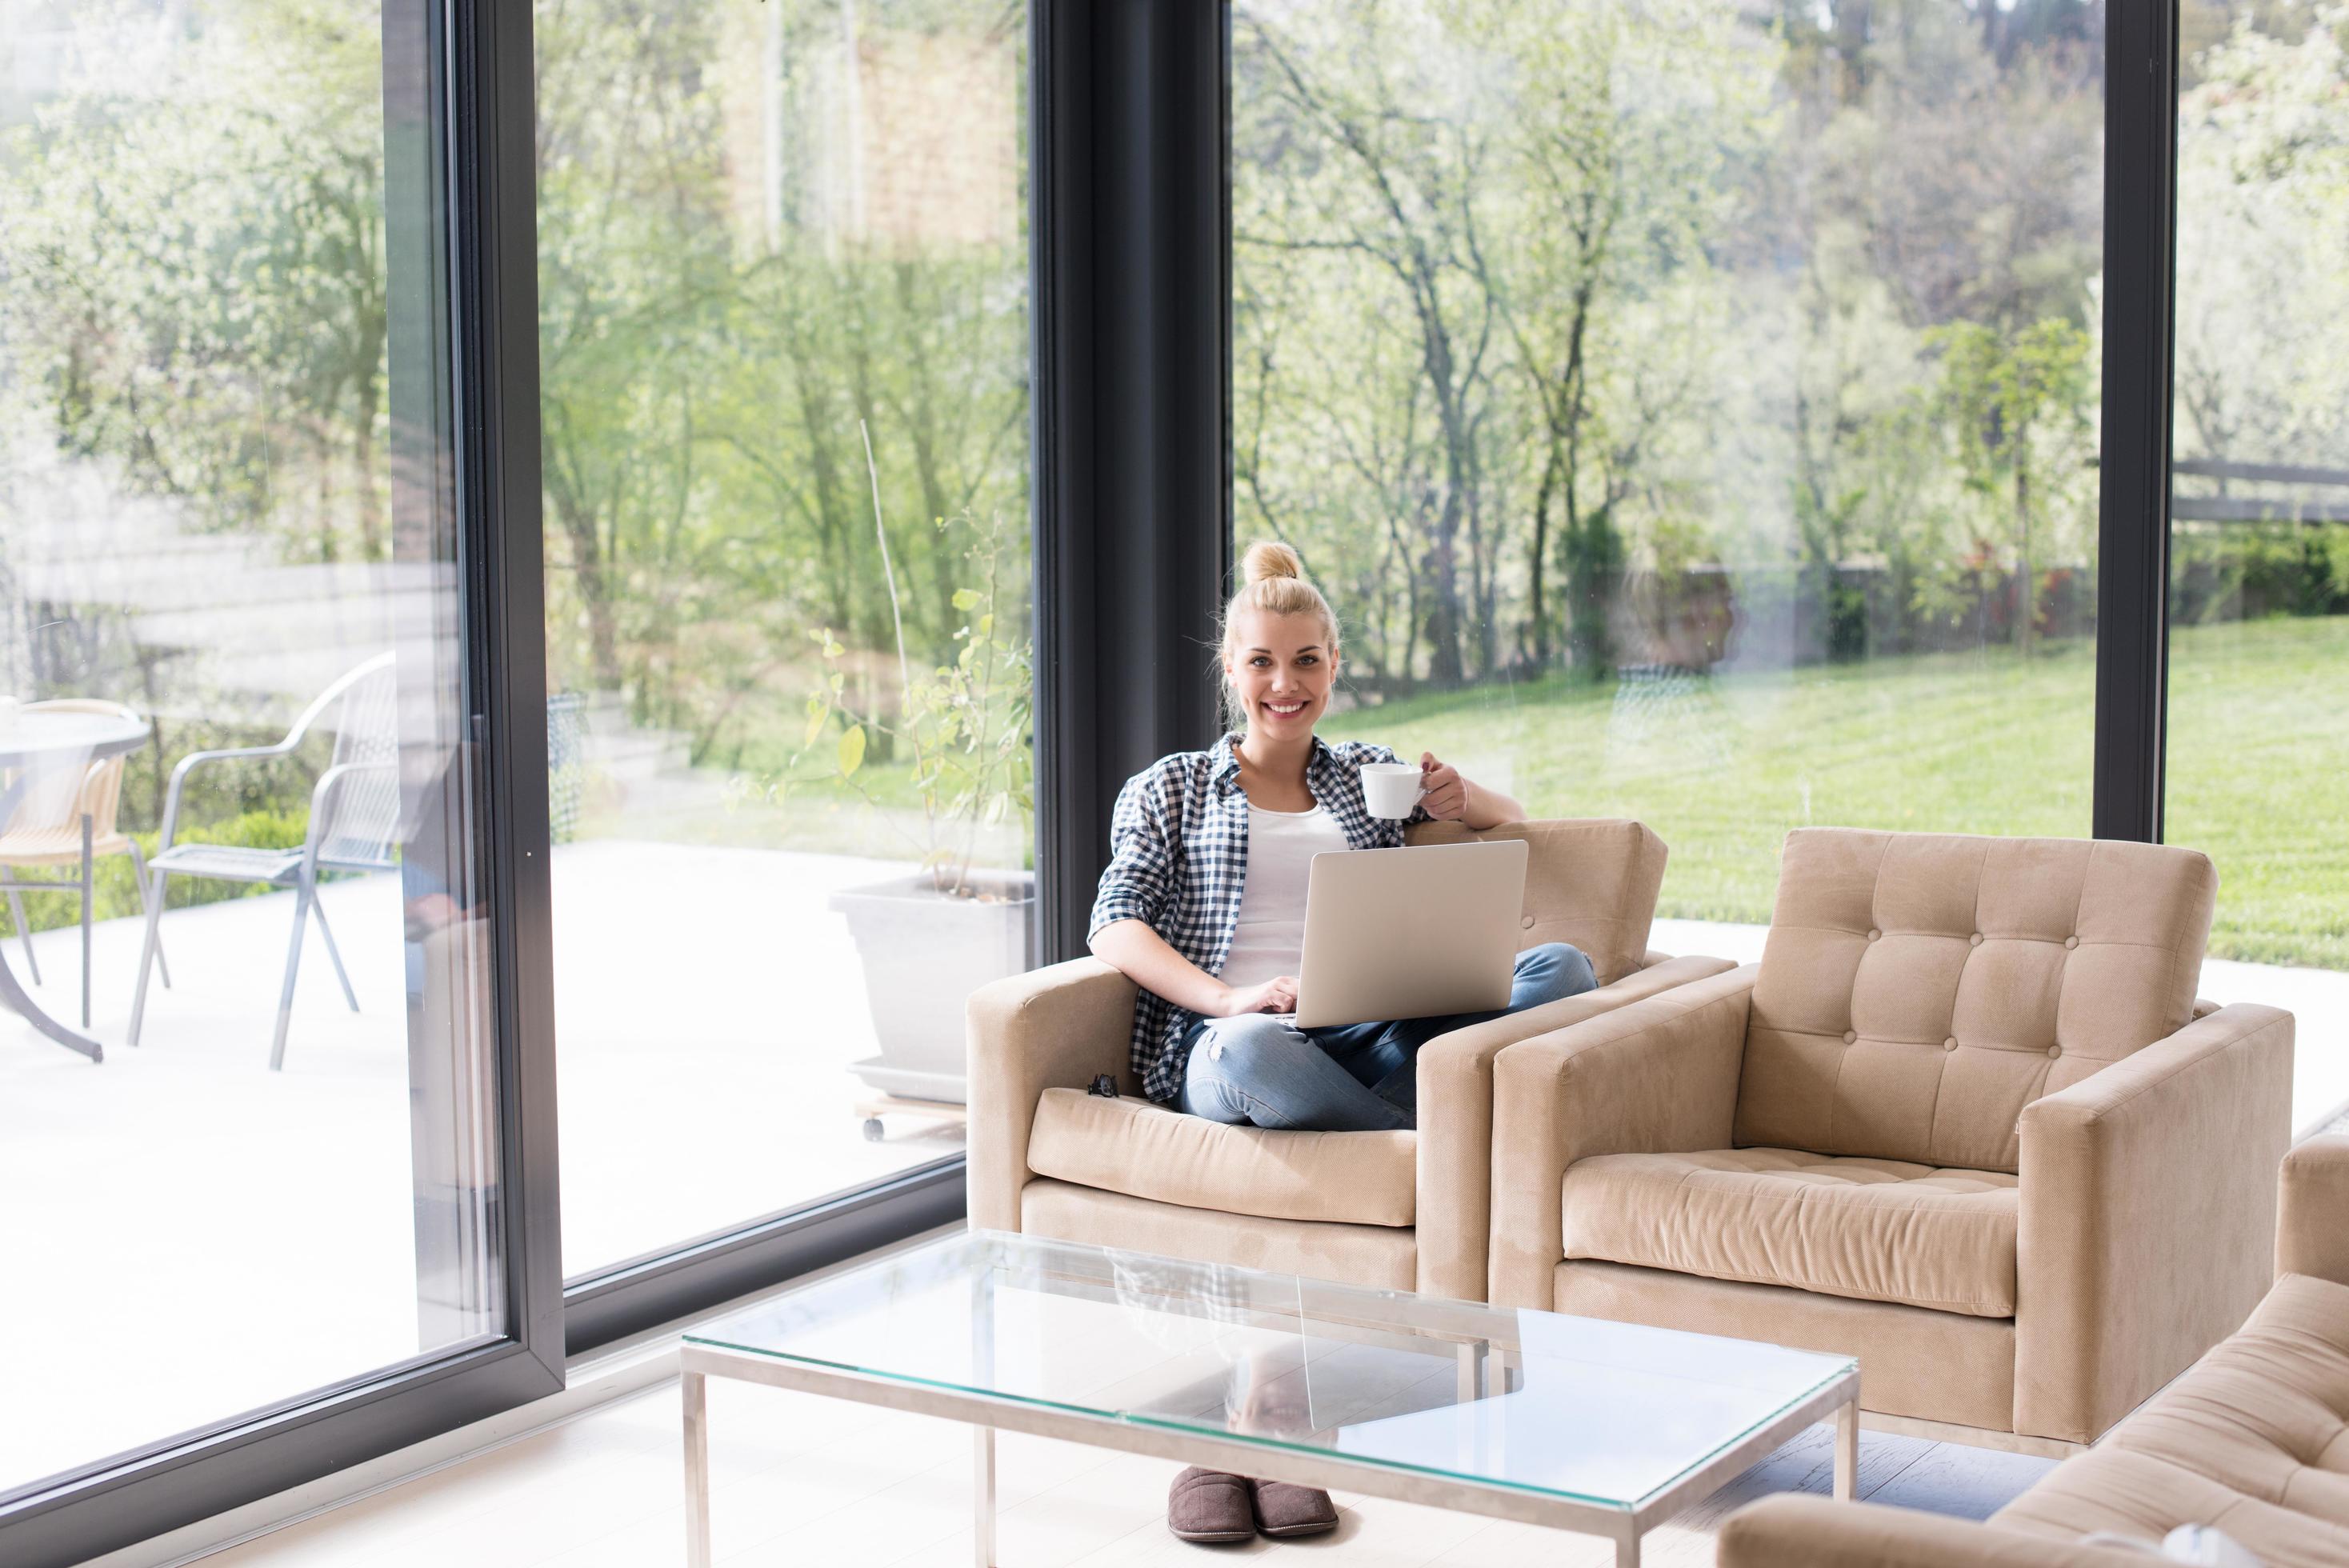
column 194, row 1235
column 224, row 1236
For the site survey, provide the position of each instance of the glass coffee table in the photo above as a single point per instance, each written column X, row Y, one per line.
column 1607, row 1429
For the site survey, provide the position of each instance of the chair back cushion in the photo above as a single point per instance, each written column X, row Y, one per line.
column 1591, row 882
column 1917, row 990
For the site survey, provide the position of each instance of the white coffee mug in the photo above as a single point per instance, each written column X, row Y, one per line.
column 1391, row 789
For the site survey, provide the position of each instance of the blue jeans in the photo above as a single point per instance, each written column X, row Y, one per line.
column 1260, row 1069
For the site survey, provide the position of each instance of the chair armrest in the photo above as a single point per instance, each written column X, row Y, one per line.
column 1054, row 1027
column 2148, row 1217
column 1456, row 1121
column 2313, row 1210
column 1796, row 1531
column 1655, row 1076
column 189, row 764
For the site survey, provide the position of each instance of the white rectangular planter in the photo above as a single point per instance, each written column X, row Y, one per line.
column 924, row 954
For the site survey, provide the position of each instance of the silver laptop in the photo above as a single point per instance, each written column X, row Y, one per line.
column 1410, row 933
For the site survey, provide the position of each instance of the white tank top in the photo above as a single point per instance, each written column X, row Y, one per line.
column 1269, row 940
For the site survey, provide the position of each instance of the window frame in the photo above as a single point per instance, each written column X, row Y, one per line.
column 2132, row 641
column 2140, row 331
column 478, row 260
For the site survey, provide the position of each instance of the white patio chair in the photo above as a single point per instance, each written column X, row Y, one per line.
column 44, row 831
column 354, row 819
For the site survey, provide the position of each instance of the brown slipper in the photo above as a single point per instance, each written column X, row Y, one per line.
column 1209, row 1505
column 1282, row 1510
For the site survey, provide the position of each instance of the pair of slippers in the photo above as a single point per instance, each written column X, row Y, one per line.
column 1215, row 1505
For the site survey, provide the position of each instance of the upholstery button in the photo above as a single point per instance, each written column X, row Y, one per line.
column 2055, row 1050
column 1849, row 1035
column 1951, row 1044
column 1527, row 922
column 1873, row 936
column 1975, row 940
column 2071, row 942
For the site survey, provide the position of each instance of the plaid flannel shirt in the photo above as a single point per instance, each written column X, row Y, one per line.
column 1178, row 863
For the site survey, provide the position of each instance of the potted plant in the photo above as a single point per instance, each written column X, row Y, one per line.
column 930, row 937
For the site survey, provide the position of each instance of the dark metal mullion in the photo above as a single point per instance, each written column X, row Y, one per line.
column 2133, row 516
column 1071, row 815
column 1131, row 300
column 493, row 185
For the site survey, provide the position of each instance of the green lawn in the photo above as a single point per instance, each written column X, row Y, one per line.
column 1981, row 743
column 1985, row 743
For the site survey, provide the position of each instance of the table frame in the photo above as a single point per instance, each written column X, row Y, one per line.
column 988, row 1414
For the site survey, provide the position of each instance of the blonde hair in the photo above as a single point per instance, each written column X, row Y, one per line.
column 1272, row 579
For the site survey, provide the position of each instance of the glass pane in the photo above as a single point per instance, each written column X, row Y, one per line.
column 231, row 653
column 1689, row 409
column 1607, row 1413
column 2259, row 647
column 784, row 298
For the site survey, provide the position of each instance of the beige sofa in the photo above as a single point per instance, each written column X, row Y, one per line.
column 1965, row 1120
column 1407, row 1211
column 2253, row 1441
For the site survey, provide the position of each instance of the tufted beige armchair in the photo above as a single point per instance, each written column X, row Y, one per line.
column 1965, row 1120
column 1407, row 1211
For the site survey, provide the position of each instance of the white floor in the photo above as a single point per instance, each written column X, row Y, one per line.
column 801, row 1480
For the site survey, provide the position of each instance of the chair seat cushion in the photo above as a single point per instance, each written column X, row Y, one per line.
column 2252, row 1440
column 1145, row 1150
column 1876, row 1230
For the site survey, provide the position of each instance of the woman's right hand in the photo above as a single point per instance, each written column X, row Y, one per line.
column 1277, row 995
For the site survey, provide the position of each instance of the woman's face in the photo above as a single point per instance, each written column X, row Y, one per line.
column 1281, row 672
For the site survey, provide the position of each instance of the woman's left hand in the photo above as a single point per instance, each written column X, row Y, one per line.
column 1446, row 799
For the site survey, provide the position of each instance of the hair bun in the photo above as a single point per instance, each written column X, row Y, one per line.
column 1269, row 558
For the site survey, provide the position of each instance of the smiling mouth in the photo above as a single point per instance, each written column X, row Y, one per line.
column 1289, row 710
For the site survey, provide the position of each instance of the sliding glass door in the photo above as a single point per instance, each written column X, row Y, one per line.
column 259, row 1097
column 1691, row 409
column 2258, row 644
column 784, row 330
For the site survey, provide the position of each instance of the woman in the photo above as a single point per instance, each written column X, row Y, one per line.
column 1203, row 906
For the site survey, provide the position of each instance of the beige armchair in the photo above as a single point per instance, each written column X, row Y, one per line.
column 2251, row 1442
column 1408, row 1211
column 1965, row 1120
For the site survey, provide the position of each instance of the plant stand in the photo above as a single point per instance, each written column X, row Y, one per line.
column 878, row 1106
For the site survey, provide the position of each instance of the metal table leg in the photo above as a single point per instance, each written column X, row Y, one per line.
column 982, row 1475
column 13, row 995
column 85, row 890
column 1471, row 1380
column 693, row 1385
column 1846, row 1466
column 982, row 1497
